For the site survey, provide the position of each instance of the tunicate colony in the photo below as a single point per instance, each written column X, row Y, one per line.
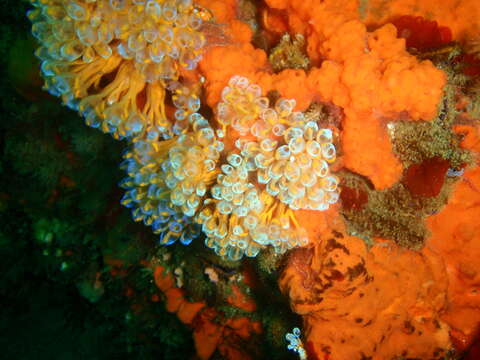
column 116, row 62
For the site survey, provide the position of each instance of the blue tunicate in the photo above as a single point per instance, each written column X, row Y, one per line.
column 188, row 60
column 186, row 239
column 104, row 34
column 158, row 226
column 152, row 135
column 136, row 43
column 125, row 183
column 278, row 129
column 183, row 38
column 224, row 207
column 117, row 4
column 272, row 188
column 175, row 227
column 227, row 169
column 151, row 191
column 292, row 133
column 166, row 35
column 164, row 241
column 140, row 179
column 75, row 11
column 174, row 52
column 194, row 103
column 72, row 50
column 324, row 136
column 454, row 172
column 332, row 197
column 219, row 145
column 86, row 35
column 234, row 159
column 54, row 50
column 240, row 211
column 187, row 187
column 283, row 152
column 142, row 147
column 165, row 165
column 137, row 215
column 72, row 103
column 41, row 30
column 328, row 151
column 177, row 128
column 51, row 88
column 93, row 120
column 169, row 12
column 159, row 193
column 180, row 114
column 144, row 159
column 163, row 218
column 123, row 51
column 104, row 50
column 216, row 192
column 35, row 14
column 62, row 85
column 114, row 120
column 242, row 244
column 195, row 118
column 135, row 125
column 148, row 219
column 180, row 101
column 189, row 234
column 260, row 236
column 127, row 200
column 42, row 54
column 171, row 181
column 234, row 253
column 125, row 164
column 153, row 9
column 195, row 22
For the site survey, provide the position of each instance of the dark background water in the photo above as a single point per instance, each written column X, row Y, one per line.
column 59, row 213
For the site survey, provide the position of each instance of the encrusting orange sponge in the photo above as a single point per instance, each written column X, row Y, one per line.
column 373, row 78
column 367, row 304
column 455, row 235
column 461, row 17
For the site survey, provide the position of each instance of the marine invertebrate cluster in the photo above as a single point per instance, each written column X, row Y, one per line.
column 295, row 343
column 182, row 183
column 241, row 105
column 243, row 199
column 187, row 102
column 295, row 168
column 111, row 60
column 241, row 219
column 168, row 180
column 290, row 154
column 115, row 61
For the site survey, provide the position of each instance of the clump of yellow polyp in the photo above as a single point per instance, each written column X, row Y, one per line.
column 288, row 157
column 111, row 60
